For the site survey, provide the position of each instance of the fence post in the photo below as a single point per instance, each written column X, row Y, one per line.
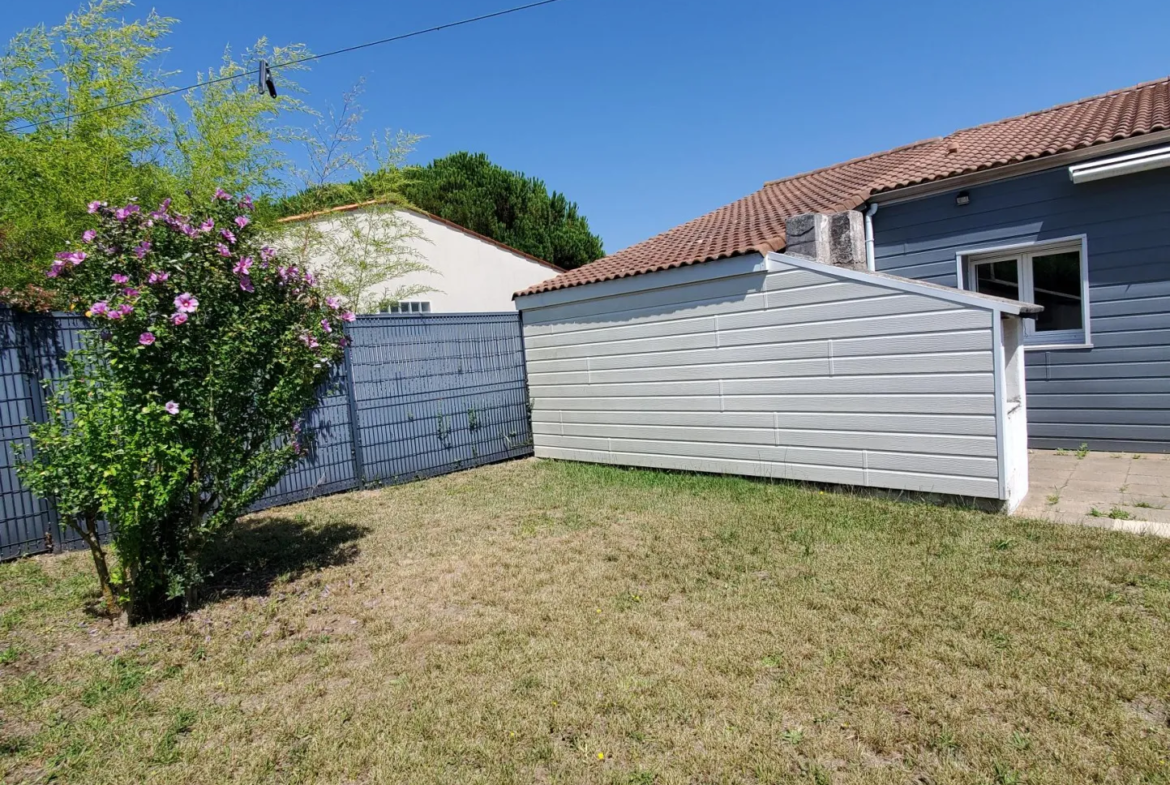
column 355, row 431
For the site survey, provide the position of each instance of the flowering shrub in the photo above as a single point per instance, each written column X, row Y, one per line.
column 185, row 404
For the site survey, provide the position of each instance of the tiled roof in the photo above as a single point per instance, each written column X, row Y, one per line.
column 756, row 222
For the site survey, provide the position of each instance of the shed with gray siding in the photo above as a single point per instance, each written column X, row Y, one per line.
column 785, row 368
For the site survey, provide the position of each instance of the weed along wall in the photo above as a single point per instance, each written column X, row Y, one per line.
column 785, row 368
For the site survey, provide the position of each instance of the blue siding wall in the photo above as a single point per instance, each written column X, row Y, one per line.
column 1115, row 396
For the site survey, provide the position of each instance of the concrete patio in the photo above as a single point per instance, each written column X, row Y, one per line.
column 1123, row 491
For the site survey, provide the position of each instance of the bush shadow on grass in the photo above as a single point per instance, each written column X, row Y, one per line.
column 258, row 552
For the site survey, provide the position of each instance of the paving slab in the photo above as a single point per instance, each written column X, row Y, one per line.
column 1087, row 489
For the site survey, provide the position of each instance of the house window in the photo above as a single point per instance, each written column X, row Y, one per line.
column 1054, row 276
column 407, row 306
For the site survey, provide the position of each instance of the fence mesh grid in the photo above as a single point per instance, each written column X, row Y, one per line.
column 419, row 395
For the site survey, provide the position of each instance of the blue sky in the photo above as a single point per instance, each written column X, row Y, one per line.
column 651, row 112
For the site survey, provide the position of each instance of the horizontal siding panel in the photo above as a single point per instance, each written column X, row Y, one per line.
column 667, row 299
column 838, row 294
column 775, row 316
column 942, row 321
column 922, row 384
column 967, row 341
column 891, row 404
column 584, row 328
column 935, row 483
column 658, row 329
column 1039, row 387
column 1095, row 431
column 636, row 346
column 847, row 366
column 890, row 423
column 1100, row 416
column 982, row 446
column 1098, row 401
column 794, row 278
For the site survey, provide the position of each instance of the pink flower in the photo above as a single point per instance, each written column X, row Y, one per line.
column 178, row 318
column 187, row 229
column 146, row 339
column 246, row 283
column 119, row 278
column 95, row 206
column 125, row 309
column 100, row 308
column 142, row 249
column 242, row 221
column 227, row 235
column 55, row 269
column 122, row 213
column 243, row 266
column 333, row 302
column 171, row 407
column 246, row 202
column 74, row 257
column 348, row 316
column 267, row 254
column 115, row 315
column 326, row 326
column 309, row 340
column 222, row 194
column 158, row 277
column 186, row 303
column 223, row 249
column 88, row 235
column 207, row 225
column 131, row 292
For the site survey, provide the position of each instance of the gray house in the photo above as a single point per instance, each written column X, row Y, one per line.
column 1067, row 208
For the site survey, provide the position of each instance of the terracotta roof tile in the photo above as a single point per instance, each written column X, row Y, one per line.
column 755, row 223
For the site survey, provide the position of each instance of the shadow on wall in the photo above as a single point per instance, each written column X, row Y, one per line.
column 262, row 550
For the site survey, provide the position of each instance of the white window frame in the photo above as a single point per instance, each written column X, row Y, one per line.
column 968, row 258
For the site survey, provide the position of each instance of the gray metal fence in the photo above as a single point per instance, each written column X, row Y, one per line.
column 419, row 395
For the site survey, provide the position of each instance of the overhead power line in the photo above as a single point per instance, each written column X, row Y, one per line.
column 297, row 61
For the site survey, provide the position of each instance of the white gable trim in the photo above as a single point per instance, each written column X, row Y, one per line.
column 945, row 293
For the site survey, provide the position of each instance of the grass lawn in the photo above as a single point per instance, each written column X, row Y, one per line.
column 549, row 622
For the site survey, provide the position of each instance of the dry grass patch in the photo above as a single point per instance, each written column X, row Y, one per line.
column 550, row 622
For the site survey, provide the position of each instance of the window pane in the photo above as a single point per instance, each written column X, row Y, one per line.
column 1000, row 279
column 1056, row 279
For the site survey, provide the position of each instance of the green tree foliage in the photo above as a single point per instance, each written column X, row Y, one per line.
column 517, row 210
column 471, row 191
column 47, row 173
column 95, row 60
column 184, row 406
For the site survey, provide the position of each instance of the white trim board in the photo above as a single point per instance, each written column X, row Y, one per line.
column 754, row 263
column 898, row 283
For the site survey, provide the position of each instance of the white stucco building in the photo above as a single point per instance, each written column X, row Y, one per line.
column 470, row 272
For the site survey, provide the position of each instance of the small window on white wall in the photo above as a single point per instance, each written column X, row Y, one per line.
column 1052, row 275
column 407, row 306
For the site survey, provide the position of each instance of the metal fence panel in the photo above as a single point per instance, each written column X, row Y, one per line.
column 435, row 393
column 23, row 517
column 419, row 395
